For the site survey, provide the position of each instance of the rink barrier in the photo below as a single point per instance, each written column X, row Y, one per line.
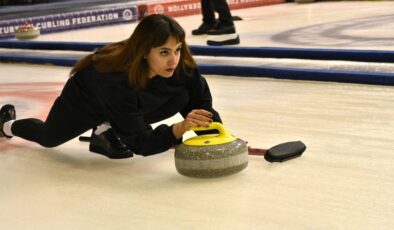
column 246, row 71
column 228, row 51
column 50, row 45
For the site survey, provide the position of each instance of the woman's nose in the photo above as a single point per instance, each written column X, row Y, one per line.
column 172, row 59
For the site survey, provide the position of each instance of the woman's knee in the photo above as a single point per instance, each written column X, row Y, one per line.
column 50, row 142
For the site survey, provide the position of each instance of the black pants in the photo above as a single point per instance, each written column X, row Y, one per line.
column 208, row 8
column 65, row 121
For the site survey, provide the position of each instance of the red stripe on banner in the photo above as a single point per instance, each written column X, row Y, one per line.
column 176, row 8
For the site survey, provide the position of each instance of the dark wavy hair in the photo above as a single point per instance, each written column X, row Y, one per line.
column 128, row 55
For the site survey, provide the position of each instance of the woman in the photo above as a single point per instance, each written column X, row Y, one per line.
column 128, row 86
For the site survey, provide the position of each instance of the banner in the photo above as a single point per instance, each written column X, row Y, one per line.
column 71, row 21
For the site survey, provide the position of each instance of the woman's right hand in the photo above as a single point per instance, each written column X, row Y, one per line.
column 196, row 118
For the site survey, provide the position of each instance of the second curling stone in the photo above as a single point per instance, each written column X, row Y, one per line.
column 27, row 31
column 211, row 155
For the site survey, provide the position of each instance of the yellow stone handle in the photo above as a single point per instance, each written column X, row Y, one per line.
column 211, row 139
column 213, row 125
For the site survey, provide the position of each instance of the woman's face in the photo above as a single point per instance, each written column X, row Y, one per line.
column 164, row 59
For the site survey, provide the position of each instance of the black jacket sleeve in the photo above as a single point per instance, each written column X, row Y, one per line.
column 200, row 98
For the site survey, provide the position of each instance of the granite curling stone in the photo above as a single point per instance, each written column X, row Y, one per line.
column 27, row 31
column 211, row 155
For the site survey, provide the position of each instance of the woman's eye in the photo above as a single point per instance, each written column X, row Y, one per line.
column 164, row 53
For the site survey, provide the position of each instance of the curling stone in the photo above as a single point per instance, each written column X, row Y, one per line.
column 211, row 155
column 27, row 31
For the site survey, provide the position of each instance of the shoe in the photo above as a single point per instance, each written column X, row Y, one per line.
column 236, row 18
column 7, row 113
column 220, row 29
column 109, row 145
column 223, row 41
column 203, row 28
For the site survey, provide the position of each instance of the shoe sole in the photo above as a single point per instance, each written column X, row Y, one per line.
column 234, row 41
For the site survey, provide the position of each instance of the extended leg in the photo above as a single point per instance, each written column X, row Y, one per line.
column 62, row 124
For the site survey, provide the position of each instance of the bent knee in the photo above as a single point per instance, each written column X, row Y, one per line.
column 50, row 142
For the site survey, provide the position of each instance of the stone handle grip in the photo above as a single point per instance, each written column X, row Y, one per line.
column 214, row 125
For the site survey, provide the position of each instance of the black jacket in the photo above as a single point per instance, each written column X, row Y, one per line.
column 108, row 97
